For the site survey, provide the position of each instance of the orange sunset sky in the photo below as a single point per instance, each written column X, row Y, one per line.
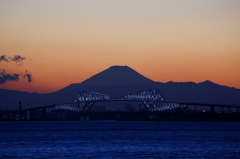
column 68, row 41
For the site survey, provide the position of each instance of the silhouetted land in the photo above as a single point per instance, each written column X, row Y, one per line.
column 117, row 81
column 130, row 116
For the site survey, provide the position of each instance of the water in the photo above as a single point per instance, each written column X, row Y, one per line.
column 106, row 139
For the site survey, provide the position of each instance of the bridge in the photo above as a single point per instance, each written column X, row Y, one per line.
column 152, row 99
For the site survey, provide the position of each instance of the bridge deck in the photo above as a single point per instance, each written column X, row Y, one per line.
column 130, row 100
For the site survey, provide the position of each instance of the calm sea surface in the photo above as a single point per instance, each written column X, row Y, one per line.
column 110, row 139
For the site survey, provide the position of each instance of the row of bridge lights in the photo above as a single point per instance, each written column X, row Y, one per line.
column 91, row 96
column 152, row 106
column 148, row 94
column 142, row 97
column 72, row 107
column 163, row 106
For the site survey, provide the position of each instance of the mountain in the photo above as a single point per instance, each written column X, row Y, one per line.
column 113, row 76
column 117, row 81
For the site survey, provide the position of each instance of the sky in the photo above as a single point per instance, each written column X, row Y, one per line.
column 48, row 44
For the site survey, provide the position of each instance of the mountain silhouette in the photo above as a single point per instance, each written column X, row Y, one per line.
column 117, row 81
column 113, row 76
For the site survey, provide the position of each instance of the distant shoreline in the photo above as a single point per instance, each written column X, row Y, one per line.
column 135, row 116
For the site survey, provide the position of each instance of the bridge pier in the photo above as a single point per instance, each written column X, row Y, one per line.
column 182, row 110
column 30, row 114
column 44, row 113
column 61, row 115
column 84, row 117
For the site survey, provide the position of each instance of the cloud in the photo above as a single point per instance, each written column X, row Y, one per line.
column 27, row 75
column 4, row 77
column 15, row 58
column 3, row 58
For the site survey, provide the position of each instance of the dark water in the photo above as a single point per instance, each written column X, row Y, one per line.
column 72, row 139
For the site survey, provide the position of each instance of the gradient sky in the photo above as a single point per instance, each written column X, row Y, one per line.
column 68, row 41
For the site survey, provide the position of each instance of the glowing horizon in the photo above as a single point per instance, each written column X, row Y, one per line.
column 67, row 42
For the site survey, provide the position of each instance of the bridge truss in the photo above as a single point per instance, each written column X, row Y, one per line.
column 84, row 101
column 151, row 98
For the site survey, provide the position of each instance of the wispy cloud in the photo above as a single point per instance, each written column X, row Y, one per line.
column 4, row 76
column 3, row 58
column 28, row 75
column 15, row 58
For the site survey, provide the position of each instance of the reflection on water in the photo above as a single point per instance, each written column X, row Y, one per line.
column 75, row 139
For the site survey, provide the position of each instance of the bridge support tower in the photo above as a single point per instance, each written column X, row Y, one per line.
column 61, row 115
column 44, row 113
column 30, row 114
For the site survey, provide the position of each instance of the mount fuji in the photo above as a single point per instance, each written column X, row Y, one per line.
column 113, row 76
column 117, row 81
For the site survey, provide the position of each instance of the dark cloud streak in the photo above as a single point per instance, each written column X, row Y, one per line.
column 15, row 58
column 4, row 77
column 28, row 75
column 3, row 58
column 8, row 77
